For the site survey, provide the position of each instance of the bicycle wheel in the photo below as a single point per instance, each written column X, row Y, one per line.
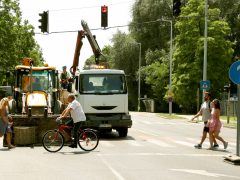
column 88, row 140
column 53, row 141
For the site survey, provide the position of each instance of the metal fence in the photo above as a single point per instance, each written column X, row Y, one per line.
column 231, row 108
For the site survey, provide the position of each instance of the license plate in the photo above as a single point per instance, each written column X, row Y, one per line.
column 105, row 125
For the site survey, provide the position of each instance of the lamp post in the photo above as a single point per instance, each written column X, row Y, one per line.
column 139, row 75
column 139, row 72
column 170, row 65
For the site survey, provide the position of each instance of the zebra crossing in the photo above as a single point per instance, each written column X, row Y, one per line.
column 147, row 122
column 162, row 142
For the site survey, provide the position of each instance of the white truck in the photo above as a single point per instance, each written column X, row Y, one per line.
column 102, row 92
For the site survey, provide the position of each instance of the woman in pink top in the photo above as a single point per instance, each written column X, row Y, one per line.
column 215, row 124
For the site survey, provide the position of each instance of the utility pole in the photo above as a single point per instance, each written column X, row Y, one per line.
column 170, row 65
column 170, row 71
column 139, row 76
column 205, row 46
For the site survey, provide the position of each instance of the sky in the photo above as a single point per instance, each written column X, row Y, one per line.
column 58, row 48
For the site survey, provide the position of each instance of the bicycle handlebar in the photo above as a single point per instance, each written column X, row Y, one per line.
column 59, row 120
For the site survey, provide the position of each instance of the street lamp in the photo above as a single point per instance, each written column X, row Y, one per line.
column 139, row 75
column 139, row 72
column 170, row 65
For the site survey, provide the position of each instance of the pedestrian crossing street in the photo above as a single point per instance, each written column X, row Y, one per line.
column 162, row 142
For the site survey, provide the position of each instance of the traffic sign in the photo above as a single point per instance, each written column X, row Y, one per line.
column 234, row 72
column 170, row 99
column 205, row 85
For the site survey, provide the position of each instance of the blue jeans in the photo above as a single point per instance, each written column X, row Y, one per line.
column 3, row 127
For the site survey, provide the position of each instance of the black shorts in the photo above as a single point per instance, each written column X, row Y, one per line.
column 205, row 129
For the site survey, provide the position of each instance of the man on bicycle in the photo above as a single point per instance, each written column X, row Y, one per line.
column 77, row 114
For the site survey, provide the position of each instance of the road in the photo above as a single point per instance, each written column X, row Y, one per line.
column 156, row 148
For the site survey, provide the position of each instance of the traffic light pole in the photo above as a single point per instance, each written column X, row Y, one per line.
column 205, row 46
column 238, row 123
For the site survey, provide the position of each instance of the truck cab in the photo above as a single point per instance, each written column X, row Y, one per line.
column 104, row 97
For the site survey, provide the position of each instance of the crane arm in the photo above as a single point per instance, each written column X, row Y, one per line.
column 78, row 47
column 91, row 39
column 93, row 43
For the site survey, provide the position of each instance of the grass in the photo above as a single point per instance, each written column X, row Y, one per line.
column 231, row 118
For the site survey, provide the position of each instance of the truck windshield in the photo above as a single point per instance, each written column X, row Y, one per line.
column 102, row 84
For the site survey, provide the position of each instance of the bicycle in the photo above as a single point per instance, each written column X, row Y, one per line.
column 53, row 140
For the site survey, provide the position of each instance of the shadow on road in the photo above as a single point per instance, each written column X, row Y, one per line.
column 113, row 136
column 73, row 152
column 4, row 149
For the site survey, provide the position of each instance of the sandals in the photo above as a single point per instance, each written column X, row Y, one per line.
column 11, row 146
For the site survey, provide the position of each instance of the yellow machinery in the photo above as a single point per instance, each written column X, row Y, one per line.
column 36, row 98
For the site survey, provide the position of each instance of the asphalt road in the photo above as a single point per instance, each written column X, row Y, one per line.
column 155, row 148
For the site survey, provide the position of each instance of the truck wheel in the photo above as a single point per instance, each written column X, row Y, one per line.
column 122, row 132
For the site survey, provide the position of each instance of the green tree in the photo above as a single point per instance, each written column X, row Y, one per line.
column 125, row 56
column 16, row 37
column 188, row 55
column 156, row 75
column 153, row 34
column 146, row 28
column 230, row 10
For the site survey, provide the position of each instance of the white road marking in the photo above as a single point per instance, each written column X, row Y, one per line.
column 106, row 143
column 133, row 143
column 160, row 143
column 203, row 173
column 146, row 122
column 117, row 175
column 184, row 143
column 148, row 133
column 160, row 154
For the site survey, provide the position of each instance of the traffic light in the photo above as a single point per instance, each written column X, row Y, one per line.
column 233, row 89
column 176, row 7
column 44, row 21
column 104, row 16
column 8, row 74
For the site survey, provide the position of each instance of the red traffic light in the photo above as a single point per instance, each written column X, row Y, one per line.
column 104, row 9
column 104, row 16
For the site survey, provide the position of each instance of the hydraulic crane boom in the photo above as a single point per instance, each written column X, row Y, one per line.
column 94, row 45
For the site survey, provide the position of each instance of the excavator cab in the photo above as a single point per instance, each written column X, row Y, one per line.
column 36, row 90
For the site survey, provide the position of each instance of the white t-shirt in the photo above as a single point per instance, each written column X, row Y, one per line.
column 77, row 112
column 206, row 111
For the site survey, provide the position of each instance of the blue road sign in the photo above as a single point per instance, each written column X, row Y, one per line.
column 234, row 72
column 205, row 85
